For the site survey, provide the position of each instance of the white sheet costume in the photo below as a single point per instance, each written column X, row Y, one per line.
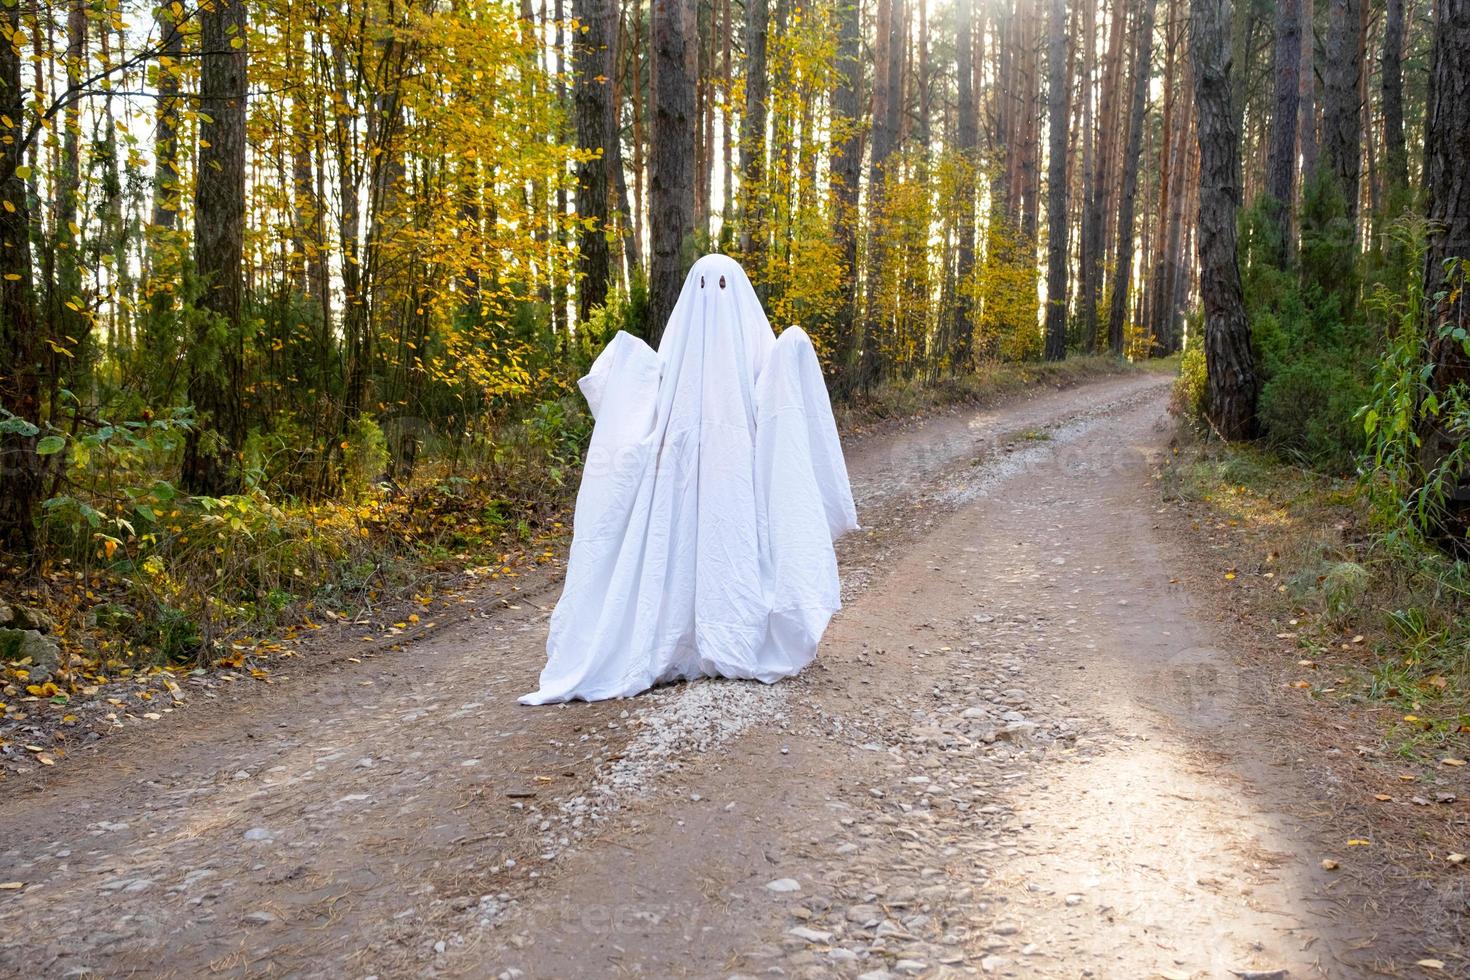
column 713, row 490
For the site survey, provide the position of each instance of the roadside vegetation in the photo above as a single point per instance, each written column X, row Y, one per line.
column 1375, row 600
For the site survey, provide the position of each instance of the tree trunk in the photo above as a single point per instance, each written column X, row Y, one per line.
column 1342, row 146
column 966, row 139
column 1447, row 302
column 1056, row 183
column 61, row 279
column 166, row 142
column 559, row 277
column 1281, row 170
column 671, row 179
column 846, row 169
column 1087, row 39
column 597, row 134
column 211, row 451
column 1123, row 255
column 1396, row 157
column 727, row 119
column 1307, row 126
column 884, row 57
column 753, row 143
column 635, row 63
column 20, row 331
column 1166, row 308
column 1094, row 217
column 1230, row 364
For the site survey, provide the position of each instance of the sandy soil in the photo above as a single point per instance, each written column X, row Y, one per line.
column 1024, row 752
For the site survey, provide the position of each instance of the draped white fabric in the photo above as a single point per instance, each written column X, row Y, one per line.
column 713, row 491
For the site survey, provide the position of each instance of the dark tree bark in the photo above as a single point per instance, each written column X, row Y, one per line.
column 1307, row 125
column 966, row 138
column 559, row 276
column 887, row 62
column 846, row 169
column 1342, row 131
column 1029, row 177
column 20, row 331
column 212, row 448
column 1056, row 183
column 1233, row 383
column 1169, row 172
column 1281, row 168
column 61, row 280
column 671, row 167
column 1086, row 39
column 753, row 142
column 727, row 121
column 1447, row 301
column 1094, row 217
column 593, row 49
column 1396, row 157
column 1123, row 254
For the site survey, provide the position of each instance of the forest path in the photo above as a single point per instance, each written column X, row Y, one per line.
column 1019, row 753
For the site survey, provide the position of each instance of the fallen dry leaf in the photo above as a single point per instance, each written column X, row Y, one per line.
column 11, row 886
column 1456, row 859
column 1328, row 864
column 1452, row 762
column 1431, row 964
column 1382, row 797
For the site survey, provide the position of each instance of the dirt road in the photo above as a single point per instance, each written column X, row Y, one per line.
column 1021, row 753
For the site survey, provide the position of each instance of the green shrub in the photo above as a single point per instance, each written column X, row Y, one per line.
column 1309, row 406
column 1191, row 388
column 1314, row 349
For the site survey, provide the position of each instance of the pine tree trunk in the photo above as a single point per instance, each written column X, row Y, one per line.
column 1088, row 41
column 1230, row 364
column 1031, row 142
column 1123, row 255
column 1342, row 145
column 631, row 258
column 727, row 128
column 215, row 385
column 20, row 331
column 166, row 142
column 1281, row 170
column 597, row 134
column 753, row 142
column 884, row 57
column 1396, row 157
column 671, row 178
column 846, row 170
column 1056, row 183
column 1307, row 125
column 1094, row 218
column 636, row 63
column 1447, row 300
column 966, row 139
column 1166, row 308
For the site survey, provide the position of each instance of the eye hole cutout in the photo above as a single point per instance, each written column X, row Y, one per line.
column 722, row 282
column 701, row 282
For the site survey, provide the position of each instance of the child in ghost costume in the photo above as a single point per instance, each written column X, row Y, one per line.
column 713, row 490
